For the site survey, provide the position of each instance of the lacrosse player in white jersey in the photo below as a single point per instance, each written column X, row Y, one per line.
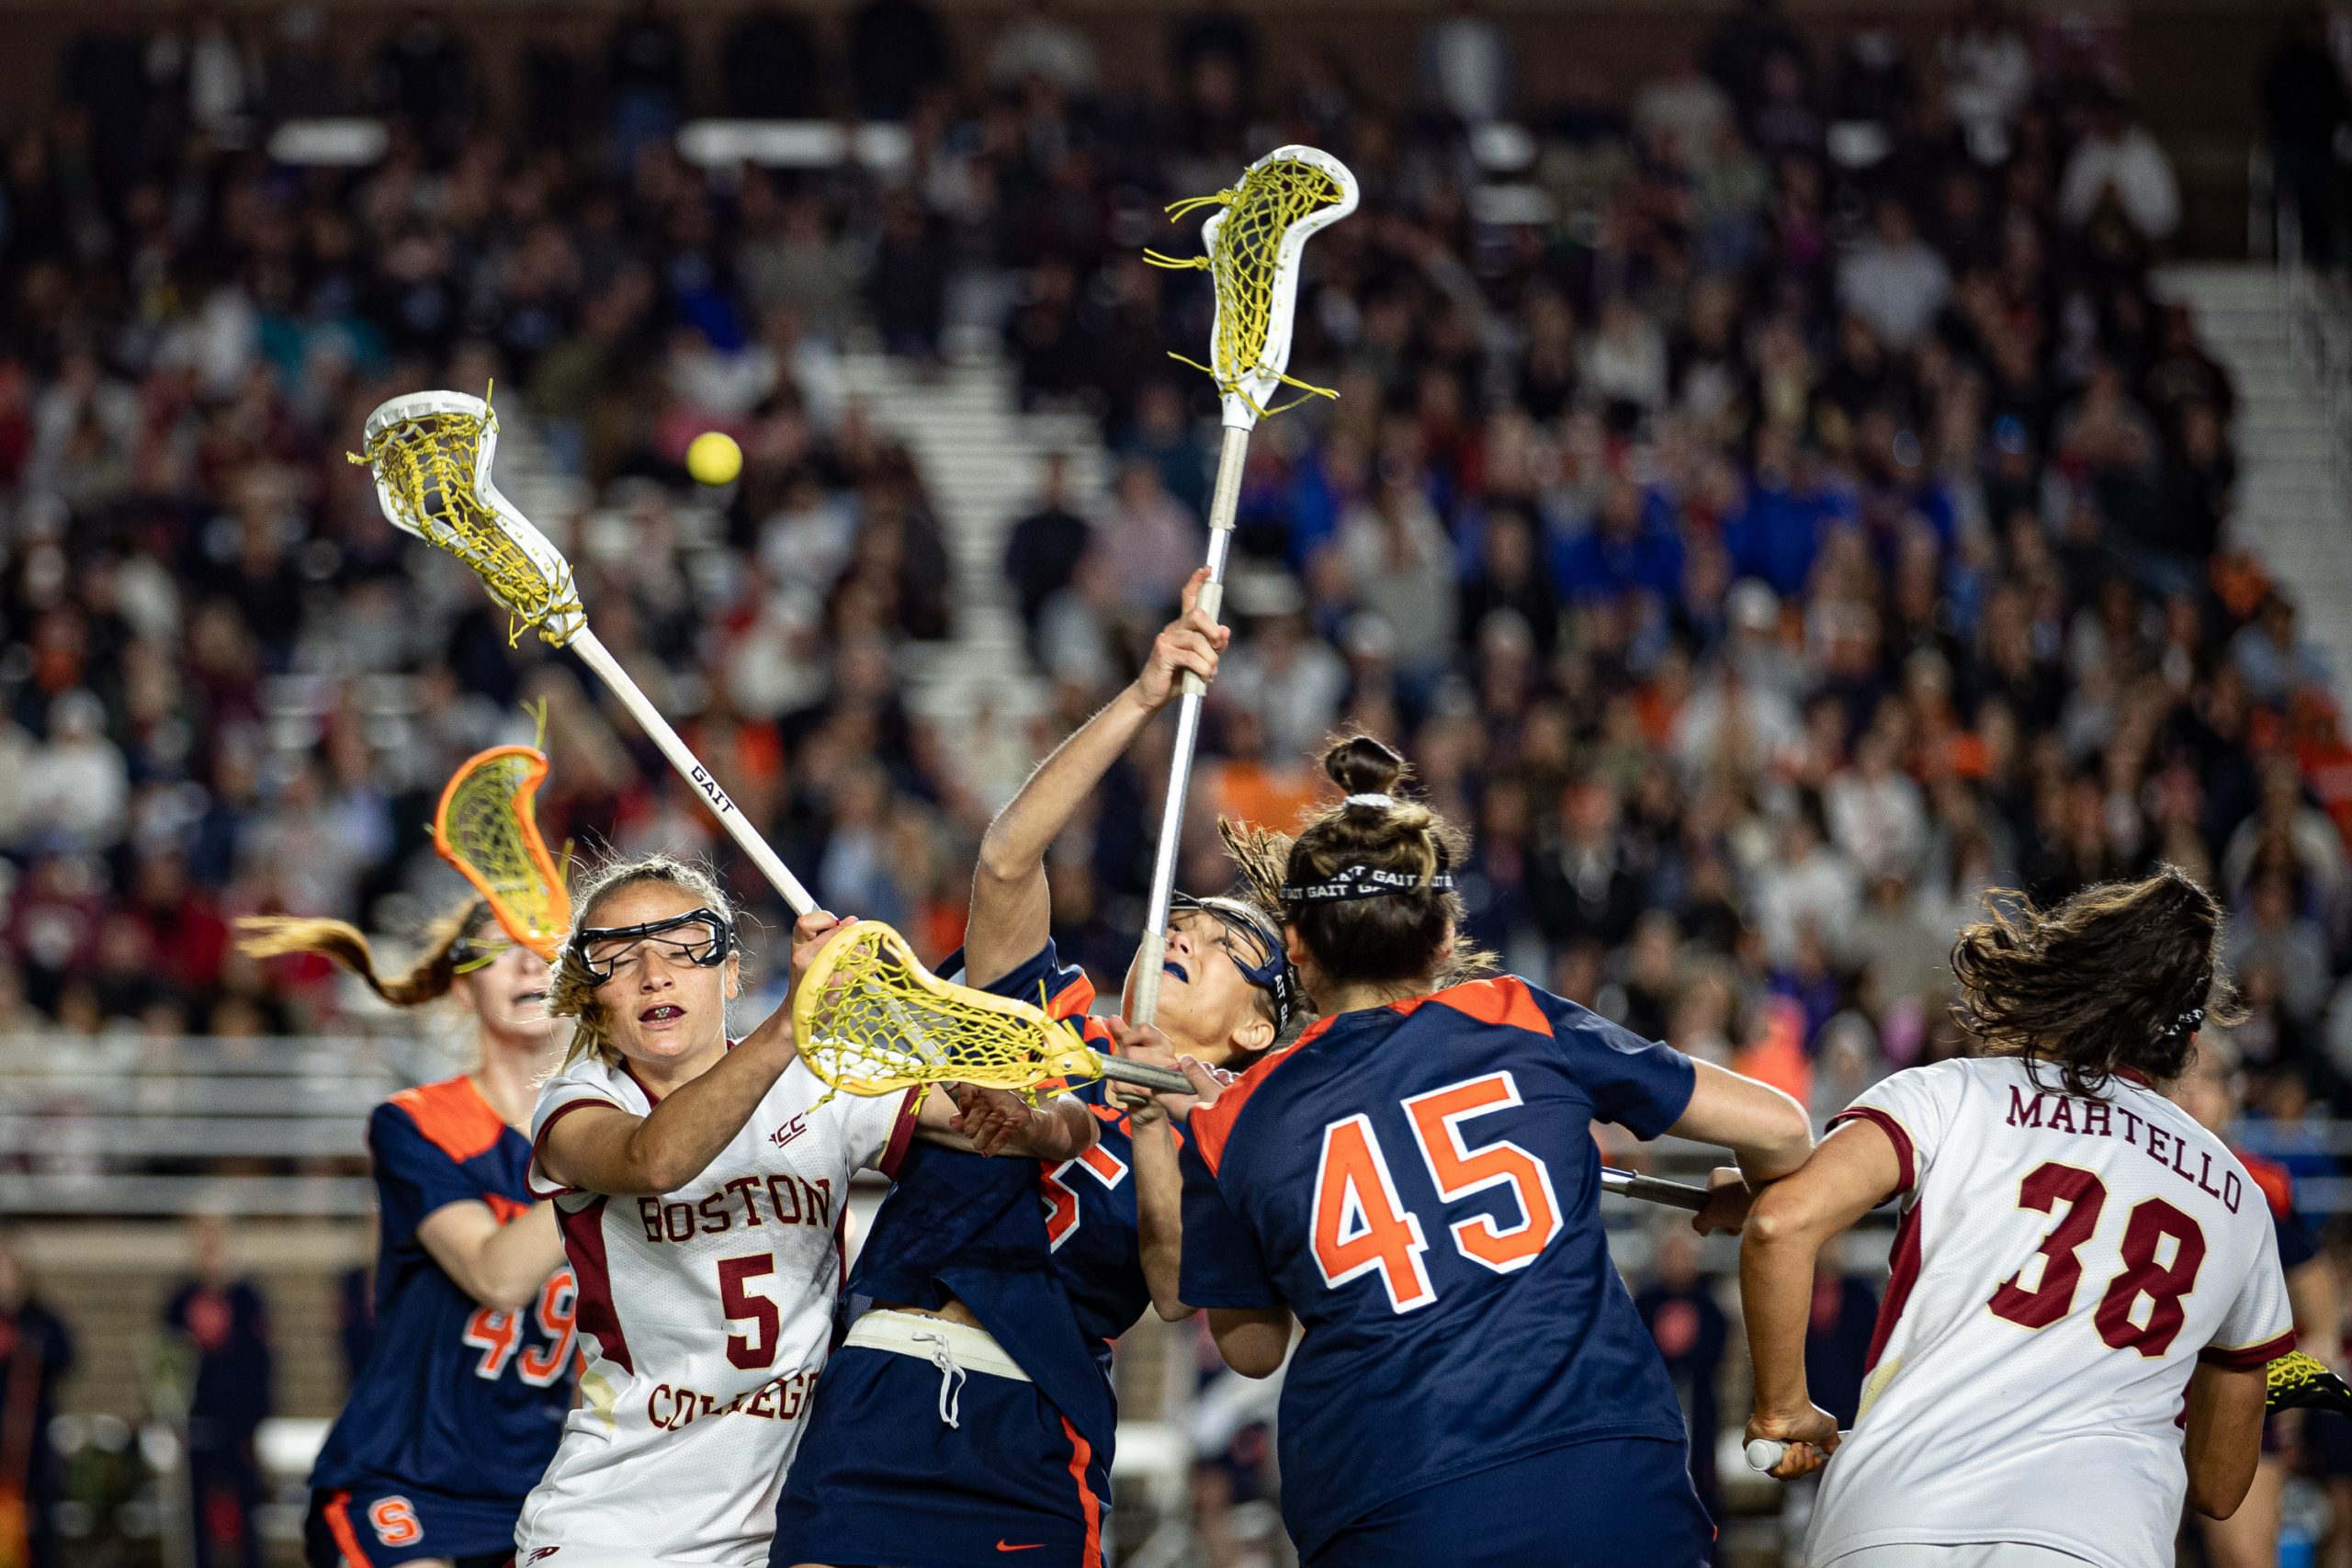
column 701, row 1187
column 2075, row 1258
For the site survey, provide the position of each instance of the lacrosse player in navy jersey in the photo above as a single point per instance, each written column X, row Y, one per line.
column 969, row 1415
column 1415, row 1183
column 457, row 1408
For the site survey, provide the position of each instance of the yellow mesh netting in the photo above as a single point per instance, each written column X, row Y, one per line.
column 871, row 1019
column 1242, row 263
column 486, row 828
column 426, row 466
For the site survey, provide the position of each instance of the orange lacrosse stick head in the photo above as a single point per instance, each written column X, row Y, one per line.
column 485, row 826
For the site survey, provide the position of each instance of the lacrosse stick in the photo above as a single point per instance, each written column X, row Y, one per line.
column 431, row 454
column 1252, row 249
column 485, row 826
column 871, row 1019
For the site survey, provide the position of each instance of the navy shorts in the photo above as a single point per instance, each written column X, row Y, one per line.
column 1611, row 1503
column 380, row 1526
column 880, row 1479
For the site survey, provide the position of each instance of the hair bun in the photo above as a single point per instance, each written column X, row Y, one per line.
column 1361, row 765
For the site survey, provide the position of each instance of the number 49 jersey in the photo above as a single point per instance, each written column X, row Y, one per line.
column 1419, row 1184
column 455, row 1398
column 2060, row 1268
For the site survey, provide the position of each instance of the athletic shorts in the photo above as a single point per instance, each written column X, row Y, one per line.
column 929, row 1448
column 1609, row 1502
column 1982, row 1554
column 380, row 1527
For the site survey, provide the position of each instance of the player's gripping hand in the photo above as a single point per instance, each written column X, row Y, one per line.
column 999, row 1122
column 809, row 933
column 1145, row 1107
column 1811, row 1435
column 1188, row 643
column 1728, row 1200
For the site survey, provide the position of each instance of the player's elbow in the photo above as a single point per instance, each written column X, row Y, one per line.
column 1001, row 863
column 1779, row 1218
column 503, row 1295
column 2218, row 1498
column 1781, row 1138
column 1171, row 1308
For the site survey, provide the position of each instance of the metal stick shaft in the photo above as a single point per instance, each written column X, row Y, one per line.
column 1153, row 949
column 1145, row 1076
column 1653, row 1188
column 599, row 658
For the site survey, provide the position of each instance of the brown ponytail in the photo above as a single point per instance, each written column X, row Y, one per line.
column 1403, row 933
column 2118, row 978
column 428, row 979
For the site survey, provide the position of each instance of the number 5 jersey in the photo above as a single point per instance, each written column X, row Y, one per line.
column 2060, row 1266
column 707, row 1313
column 1419, row 1184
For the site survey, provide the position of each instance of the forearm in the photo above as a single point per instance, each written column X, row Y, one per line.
column 1776, row 1300
column 516, row 1260
column 1159, row 1214
column 664, row 1151
column 1061, row 1129
column 499, row 1266
column 1010, row 903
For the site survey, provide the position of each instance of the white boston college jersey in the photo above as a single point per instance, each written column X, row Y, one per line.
column 706, row 1314
column 2060, row 1268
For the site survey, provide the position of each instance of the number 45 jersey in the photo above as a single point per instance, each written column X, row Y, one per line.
column 707, row 1313
column 1419, row 1184
column 2060, row 1266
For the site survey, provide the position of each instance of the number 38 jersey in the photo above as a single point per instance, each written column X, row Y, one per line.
column 706, row 1314
column 1419, row 1184
column 2060, row 1268
column 455, row 1398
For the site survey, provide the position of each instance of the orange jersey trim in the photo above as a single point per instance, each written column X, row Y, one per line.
column 338, row 1514
column 454, row 1116
column 1502, row 999
column 1080, row 1456
column 2278, row 1185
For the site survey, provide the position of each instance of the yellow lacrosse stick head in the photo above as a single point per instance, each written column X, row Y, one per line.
column 1252, row 256
column 870, row 1020
column 431, row 455
column 487, row 828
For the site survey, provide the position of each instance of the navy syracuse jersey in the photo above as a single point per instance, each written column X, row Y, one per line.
column 455, row 1398
column 1419, row 1183
column 1046, row 1256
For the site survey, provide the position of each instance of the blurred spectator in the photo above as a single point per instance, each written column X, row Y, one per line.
column 1988, row 77
column 2118, row 161
column 1692, row 1332
column 2306, row 109
column 1838, row 1338
column 221, row 1318
column 36, row 1352
column 1465, row 66
column 1148, row 541
column 771, row 67
column 1045, row 546
column 1040, row 43
column 1895, row 281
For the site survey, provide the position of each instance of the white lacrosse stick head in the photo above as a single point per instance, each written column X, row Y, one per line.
column 431, row 453
column 1253, row 246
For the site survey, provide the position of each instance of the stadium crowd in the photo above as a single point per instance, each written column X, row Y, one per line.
column 1766, row 501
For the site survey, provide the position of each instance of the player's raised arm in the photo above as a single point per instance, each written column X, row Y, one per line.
column 499, row 1266
column 1011, row 904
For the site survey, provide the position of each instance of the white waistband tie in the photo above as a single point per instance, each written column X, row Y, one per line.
column 951, row 1376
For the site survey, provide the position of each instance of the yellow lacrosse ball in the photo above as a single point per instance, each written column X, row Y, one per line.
column 714, row 458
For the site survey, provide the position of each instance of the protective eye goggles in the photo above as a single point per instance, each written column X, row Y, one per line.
column 1271, row 972
column 483, row 943
column 700, row 937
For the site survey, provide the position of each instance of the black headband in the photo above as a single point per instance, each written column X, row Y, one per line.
column 1364, row 882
